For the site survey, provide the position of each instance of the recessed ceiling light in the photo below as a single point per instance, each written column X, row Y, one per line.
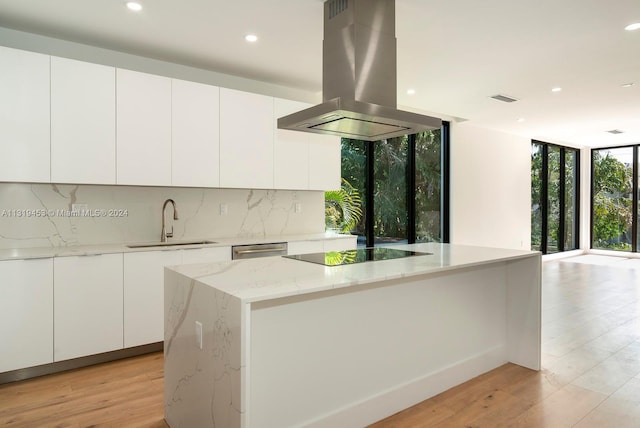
column 628, row 85
column 633, row 26
column 556, row 89
column 411, row 91
column 251, row 38
column 134, row 6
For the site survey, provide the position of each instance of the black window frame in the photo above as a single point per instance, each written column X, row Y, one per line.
column 445, row 186
column 544, row 197
column 634, row 192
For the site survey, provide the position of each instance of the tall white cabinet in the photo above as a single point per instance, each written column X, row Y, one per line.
column 325, row 162
column 143, row 114
column 83, row 122
column 26, row 313
column 303, row 160
column 24, row 116
column 195, row 134
column 291, row 149
column 246, row 140
column 88, row 297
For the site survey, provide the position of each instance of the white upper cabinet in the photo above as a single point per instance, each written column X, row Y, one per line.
column 246, row 140
column 303, row 160
column 291, row 150
column 195, row 134
column 324, row 162
column 143, row 129
column 24, row 116
column 83, row 122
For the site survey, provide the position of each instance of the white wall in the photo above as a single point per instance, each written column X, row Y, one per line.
column 490, row 188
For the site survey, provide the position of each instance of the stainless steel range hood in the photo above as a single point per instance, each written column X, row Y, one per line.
column 359, row 77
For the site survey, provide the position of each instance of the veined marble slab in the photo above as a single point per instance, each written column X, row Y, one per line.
column 39, row 215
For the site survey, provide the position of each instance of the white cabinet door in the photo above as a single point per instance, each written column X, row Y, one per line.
column 87, row 305
column 144, row 295
column 204, row 255
column 143, row 128
column 24, row 116
column 195, row 132
column 304, row 247
column 324, row 162
column 144, row 289
column 83, row 122
column 290, row 151
column 26, row 313
column 246, row 140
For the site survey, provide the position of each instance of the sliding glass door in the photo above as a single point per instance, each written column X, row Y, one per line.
column 554, row 197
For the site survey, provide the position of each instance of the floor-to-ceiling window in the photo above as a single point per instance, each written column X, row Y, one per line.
column 613, row 216
column 403, row 184
column 554, row 197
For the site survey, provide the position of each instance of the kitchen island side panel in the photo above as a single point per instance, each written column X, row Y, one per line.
column 351, row 357
column 202, row 386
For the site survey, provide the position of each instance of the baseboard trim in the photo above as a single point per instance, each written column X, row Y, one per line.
column 389, row 402
column 60, row 366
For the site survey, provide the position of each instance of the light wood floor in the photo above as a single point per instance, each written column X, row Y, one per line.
column 590, row 376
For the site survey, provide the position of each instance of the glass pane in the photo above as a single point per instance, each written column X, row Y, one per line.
column 427, row 191
column 570, row 199
column 390, row 190
column 553, row 198
column 536, row 196
column 353, row 177
column 612, row 198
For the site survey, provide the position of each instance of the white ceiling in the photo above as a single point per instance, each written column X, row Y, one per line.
column 454, row 53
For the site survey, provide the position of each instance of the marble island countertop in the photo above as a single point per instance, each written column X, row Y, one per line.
column 274, row 277
column 82, row 250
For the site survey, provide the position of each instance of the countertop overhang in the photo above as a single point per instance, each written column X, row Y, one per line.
column 275, row 277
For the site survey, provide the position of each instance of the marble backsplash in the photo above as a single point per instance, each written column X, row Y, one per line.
column 43, row 215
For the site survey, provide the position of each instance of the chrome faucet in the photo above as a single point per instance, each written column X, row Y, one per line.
column 166, row 234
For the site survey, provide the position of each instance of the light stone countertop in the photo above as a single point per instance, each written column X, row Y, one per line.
column 254, row 280
column 82, row 250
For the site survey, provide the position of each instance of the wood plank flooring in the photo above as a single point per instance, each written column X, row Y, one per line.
column 590, row 376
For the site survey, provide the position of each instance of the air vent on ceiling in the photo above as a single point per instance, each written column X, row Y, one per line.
column 337, row 6
column 615, row 132
column 504, row 98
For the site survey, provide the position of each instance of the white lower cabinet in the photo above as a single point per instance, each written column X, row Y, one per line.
column 304, row 247
column 204, row 255
column 26, row 313
column 144, row 289
column 341, row 244
column 87, row 305
column 144, row 295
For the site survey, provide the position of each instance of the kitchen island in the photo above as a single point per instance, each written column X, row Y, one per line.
column 277, row 342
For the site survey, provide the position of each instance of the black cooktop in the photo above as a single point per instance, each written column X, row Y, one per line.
column 360, row 255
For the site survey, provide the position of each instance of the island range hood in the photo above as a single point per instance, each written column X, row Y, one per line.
column 359, row 77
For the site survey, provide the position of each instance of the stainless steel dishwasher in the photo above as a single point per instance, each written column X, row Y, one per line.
column 258, row 250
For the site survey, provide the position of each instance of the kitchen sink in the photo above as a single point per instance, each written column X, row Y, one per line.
column 170, row 244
